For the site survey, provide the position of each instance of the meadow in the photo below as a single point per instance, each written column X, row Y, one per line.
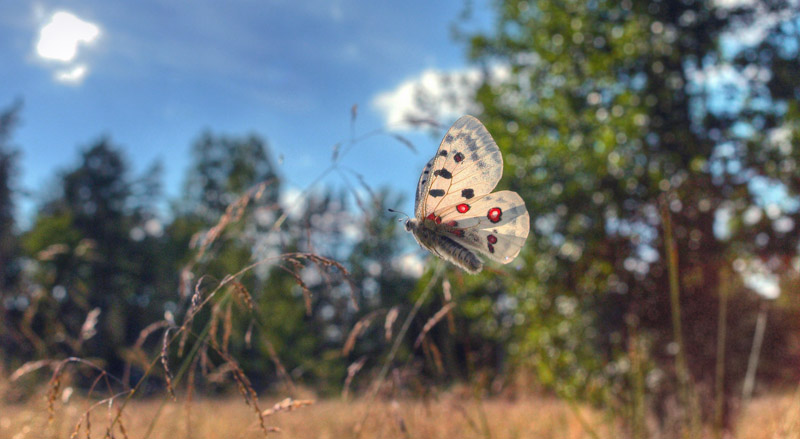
column 449, row 414
column 629, row 179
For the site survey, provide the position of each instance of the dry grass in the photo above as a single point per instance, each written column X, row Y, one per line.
column 771, row 416
column 450, row 416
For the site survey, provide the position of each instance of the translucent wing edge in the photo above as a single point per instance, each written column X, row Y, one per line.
column 422, row 187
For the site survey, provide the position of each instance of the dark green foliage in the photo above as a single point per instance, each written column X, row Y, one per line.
column 9, row 263
column 604, row 117
column 222, row 169
column 96, row 247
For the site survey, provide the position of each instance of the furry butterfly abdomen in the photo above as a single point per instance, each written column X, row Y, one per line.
column 455, row 215
column 444, row 246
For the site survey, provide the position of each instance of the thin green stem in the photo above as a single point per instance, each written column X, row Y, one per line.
column 681, row 368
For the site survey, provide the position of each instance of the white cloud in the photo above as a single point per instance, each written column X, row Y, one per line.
column 59, row 41
column 433, row 94
column 73, row 75
column 60, row 37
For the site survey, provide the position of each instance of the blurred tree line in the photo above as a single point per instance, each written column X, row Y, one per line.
column 107, row 257
column 614, row 119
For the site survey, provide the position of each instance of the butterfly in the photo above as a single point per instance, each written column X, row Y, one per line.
column 455, row 213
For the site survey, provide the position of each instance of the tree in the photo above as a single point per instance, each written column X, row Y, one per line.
column 611, row 113
column 223, row 168
column 9, row 245
column 9, row 266
column 97, row 248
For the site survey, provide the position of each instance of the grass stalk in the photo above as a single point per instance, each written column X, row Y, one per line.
column 722, row 322
column 378, row 382
column 681, row 368
column 638, row 411
column 755, row 352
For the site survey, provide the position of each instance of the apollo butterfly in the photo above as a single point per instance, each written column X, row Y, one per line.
column 455, row 215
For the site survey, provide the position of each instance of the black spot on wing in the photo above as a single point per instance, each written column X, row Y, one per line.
column 474, row 156
column 468, row 193
column 448, row 138
column 436, row 192
column 443, row 153
column 471, row 142
column 443, row 173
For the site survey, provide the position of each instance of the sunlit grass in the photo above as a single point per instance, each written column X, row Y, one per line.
column 447, row 416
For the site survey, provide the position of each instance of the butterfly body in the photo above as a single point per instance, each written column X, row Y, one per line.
column 433, row 237
column 456, row 214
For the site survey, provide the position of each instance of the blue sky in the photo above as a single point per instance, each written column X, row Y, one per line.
column 153, row 74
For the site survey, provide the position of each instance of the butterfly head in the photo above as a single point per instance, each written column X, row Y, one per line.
column 410, row 224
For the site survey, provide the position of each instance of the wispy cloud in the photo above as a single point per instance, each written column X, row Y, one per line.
column 433, row 94
column 72, row 75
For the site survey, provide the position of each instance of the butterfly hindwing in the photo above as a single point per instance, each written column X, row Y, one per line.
column 468, row 164
column 495, row 225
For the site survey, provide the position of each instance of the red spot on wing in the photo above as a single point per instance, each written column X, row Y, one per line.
column 458, row 157
column 494, row 214
column 492, row 239
column 438, row 220
column 451, row 223
column 458, row 232
column 431, row 217
column 491, row 248
column 462, row 208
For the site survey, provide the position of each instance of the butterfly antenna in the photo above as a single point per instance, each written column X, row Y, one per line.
column 401, row 213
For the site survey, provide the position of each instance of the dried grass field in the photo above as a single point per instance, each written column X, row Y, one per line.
column 447, row 416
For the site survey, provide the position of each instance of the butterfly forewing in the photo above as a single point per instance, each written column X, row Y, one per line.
column 422, row 185
column 467, row 165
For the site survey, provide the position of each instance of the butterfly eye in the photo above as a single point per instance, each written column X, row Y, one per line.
column 408, row 225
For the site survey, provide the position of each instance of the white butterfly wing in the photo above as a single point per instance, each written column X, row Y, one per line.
column 495, row 225
column 467, row 165
column 422, row 185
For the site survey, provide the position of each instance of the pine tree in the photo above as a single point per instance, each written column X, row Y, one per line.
column 9, row 263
